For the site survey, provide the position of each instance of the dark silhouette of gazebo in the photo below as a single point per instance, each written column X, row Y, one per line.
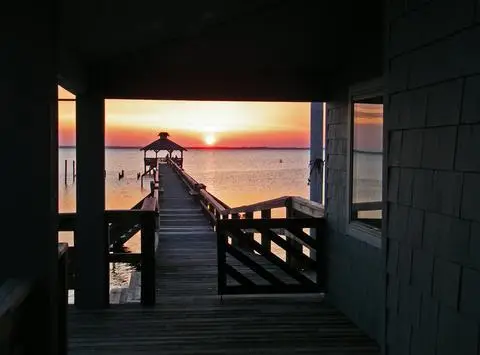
column 161, row 144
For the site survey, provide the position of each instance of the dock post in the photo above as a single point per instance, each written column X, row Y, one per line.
column 66, row 171
column 74, row 174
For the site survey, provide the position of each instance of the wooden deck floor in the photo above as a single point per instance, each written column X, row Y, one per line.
column 190, row 318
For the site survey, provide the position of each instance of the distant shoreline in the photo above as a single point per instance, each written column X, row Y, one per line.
column 210, row 148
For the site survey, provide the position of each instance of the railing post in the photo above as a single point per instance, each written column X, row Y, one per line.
column 235, row 241
column 293, row 244
column 266, row 242
column 148, row 258
column 249, row 235
column 222, row 240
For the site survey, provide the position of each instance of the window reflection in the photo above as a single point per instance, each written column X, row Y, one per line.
column 367, row 156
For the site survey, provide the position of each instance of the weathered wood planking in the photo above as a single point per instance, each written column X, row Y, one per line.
column 190, row 318
column 195, row 325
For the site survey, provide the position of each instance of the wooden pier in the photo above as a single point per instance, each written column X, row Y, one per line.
column 194, row 274
column 214, row 280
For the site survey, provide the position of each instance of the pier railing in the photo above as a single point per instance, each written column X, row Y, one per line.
column 144, row 220
column 249, row 235
column 120, row 230
column 247, row 265
column 297, row 206
column 24, row 325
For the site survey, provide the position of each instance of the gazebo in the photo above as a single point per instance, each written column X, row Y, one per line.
column 161, row 144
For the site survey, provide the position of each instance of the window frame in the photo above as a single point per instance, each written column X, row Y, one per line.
column 356, row 229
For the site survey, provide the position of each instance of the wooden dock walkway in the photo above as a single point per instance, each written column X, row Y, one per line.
column 190, row 318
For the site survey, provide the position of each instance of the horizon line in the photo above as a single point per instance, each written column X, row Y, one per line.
column 193, row 148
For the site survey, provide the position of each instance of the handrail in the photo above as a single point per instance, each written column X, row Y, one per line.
column 220, row 202
column 297, row 203
column 149, row 204
column 263, row 205
column 66, row 221
column 213, row 202
column 307, row 207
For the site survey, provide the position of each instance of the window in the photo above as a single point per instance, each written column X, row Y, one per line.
column 366, row 165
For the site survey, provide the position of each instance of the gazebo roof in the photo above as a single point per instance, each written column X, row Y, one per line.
column 163, row 143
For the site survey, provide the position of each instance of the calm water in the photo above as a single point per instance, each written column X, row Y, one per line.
column 235, row 176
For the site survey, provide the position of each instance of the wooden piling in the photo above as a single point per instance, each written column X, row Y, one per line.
column 66, row 170
column 74, row 172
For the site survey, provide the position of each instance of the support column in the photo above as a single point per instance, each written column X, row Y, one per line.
column 29, row 152
column 316, row 150
column 91, row 240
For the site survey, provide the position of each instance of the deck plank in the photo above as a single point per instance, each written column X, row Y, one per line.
column 190, row 318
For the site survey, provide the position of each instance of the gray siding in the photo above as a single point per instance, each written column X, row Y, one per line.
column 355, row 268
column 433, row 122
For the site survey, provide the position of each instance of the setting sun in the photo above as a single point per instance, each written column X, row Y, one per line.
column 209, row 139
column 133, row 123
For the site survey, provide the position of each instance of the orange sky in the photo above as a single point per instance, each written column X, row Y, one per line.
column 196, row 123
